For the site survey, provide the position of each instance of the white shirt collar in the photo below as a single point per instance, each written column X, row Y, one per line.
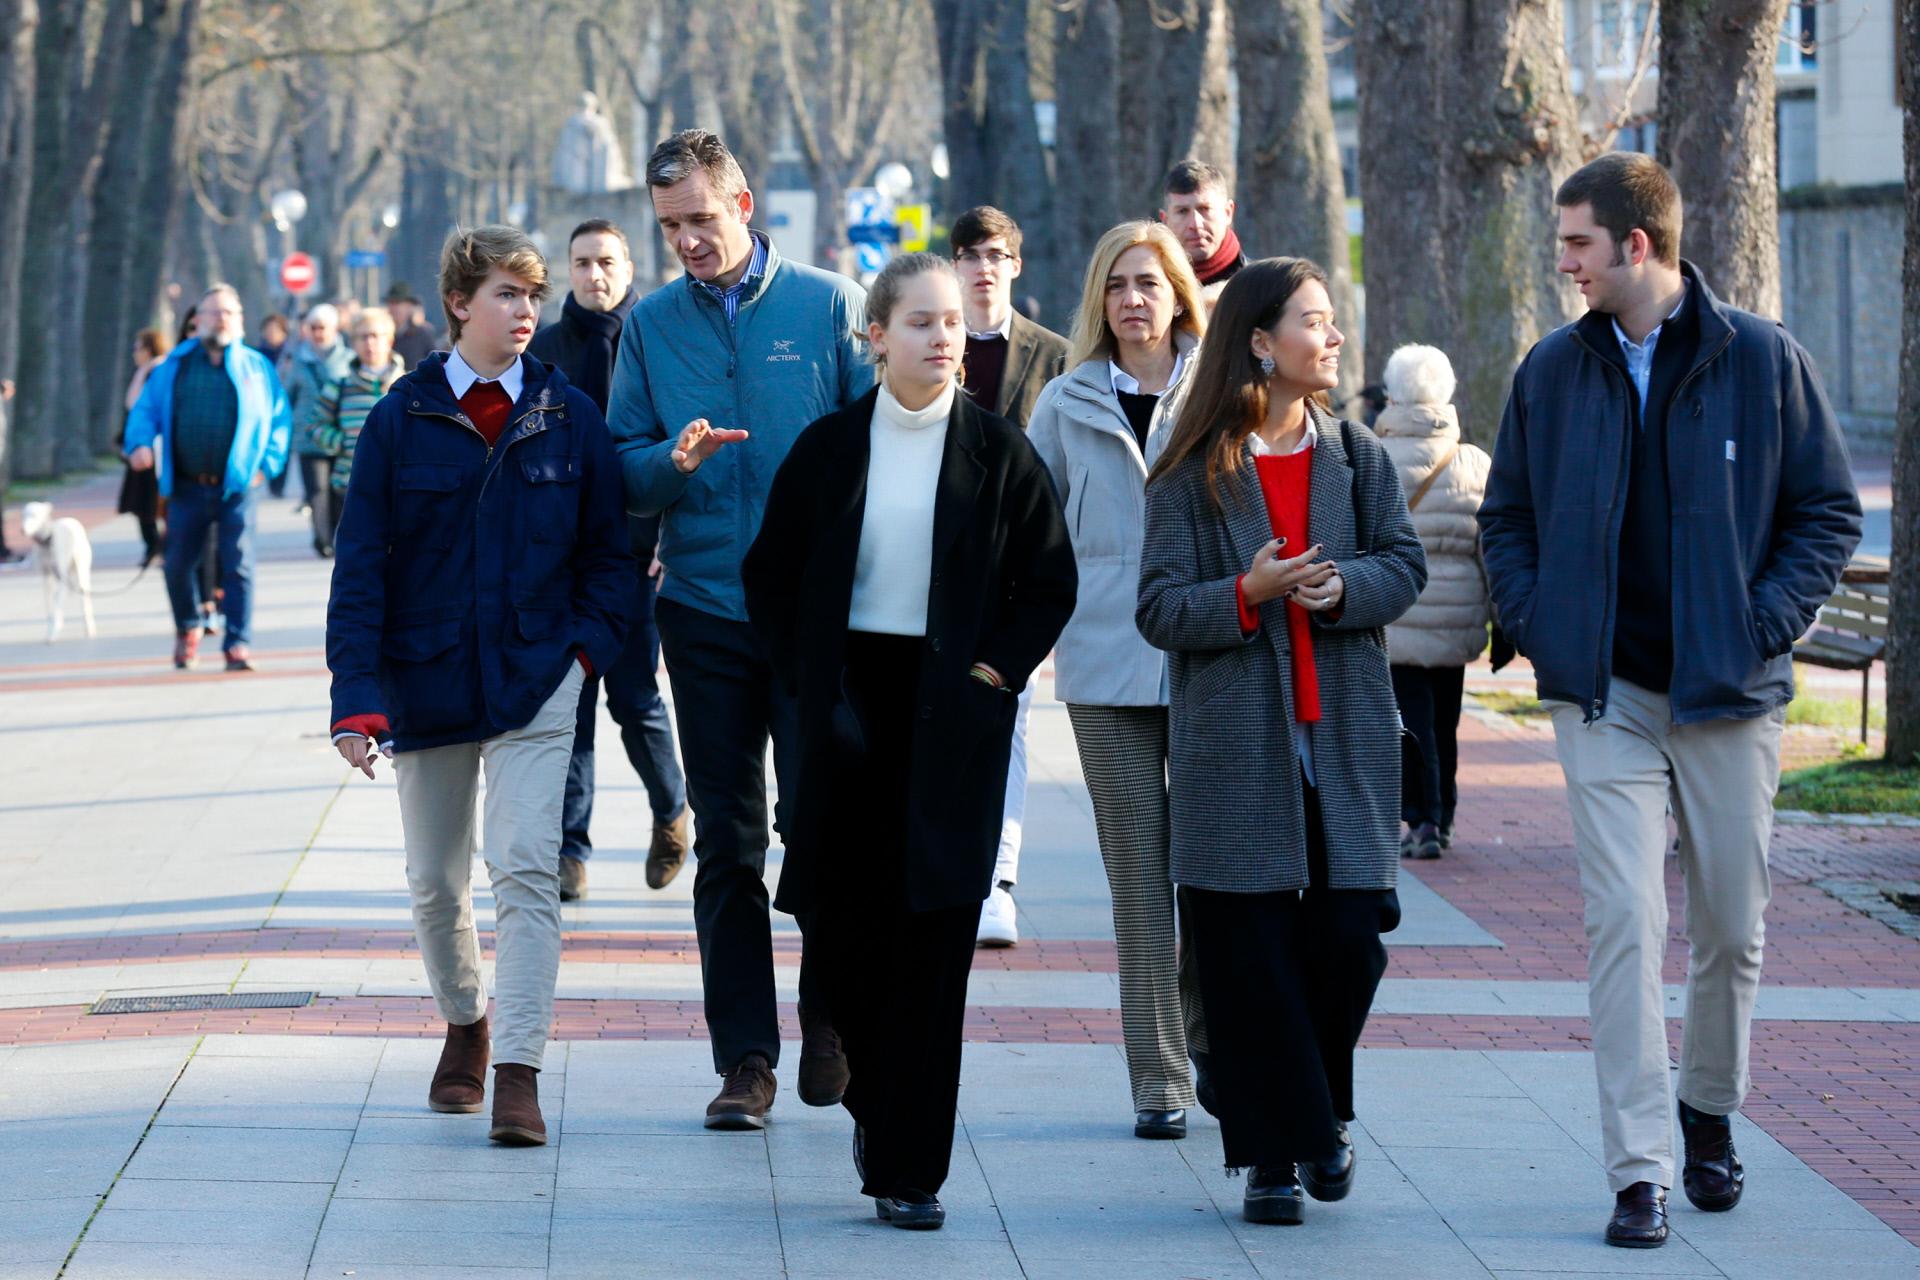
column 1308, row 438
column 1003, row 330
column 1124, row 381
column 461, row 377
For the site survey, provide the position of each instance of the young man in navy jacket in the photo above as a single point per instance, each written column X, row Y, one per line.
column 1670, row 505
column 481, row 574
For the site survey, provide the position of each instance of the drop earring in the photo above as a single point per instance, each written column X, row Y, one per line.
column 1266, row 366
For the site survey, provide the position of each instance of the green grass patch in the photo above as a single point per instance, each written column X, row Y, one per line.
column 1835, row 713
column 1852, row 786
column 1511, row 704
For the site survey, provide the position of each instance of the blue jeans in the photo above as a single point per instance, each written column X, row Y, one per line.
column 633, row 698
column 192, row 510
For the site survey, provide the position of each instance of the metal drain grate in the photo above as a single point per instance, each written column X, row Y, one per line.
column 215, row 1000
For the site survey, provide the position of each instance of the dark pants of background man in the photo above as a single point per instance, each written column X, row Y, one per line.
column 633, row 699
column 323, row 500
column 1429, row 699
column 193, row 509
column 726, row 704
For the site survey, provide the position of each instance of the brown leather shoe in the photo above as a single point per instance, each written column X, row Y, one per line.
column 669, row 851
column 1639, row 1217
column 460, row 1081
column 238, row 659
column 516, row 1107
column 823, row 1062
column 573, row 879
column 746, row 1095
column 1712, row 1174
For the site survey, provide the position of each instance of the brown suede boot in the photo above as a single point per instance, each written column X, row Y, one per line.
column 460, row 1081
column 516, row 1107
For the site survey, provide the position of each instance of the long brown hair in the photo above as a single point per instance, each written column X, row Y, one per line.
column 1227, row 392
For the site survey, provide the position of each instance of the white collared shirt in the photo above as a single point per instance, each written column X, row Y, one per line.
column 1003, row 330
column 1124, row 381
column 461, row 376
column 1640, row 354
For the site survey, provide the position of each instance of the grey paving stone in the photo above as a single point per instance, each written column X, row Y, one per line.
column 110, row 1260
column 1114, row 1268
column 1398, row 1120
column 349, row 1249
column 479, row 1157
column 255, row 1226
column 585, row 1208
column 870, row 1248
column 422, row 1271
column 585, row 1260
column 724, row 1163
column 484, row 1217
column 34, row 1231
column 247, row 1155
column 498, row 1185
column 220, row 1197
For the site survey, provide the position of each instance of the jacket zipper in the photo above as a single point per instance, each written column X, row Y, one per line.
column 1699, row 367
column 1596, row 703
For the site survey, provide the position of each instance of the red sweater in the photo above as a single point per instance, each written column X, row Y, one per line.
column 1284, row 484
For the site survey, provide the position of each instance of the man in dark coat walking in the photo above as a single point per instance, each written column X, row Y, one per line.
column 583, row 344
column 1670, row 505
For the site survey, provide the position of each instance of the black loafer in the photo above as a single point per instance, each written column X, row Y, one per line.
column 1160, row 1124
column 1712, row 1175
column 1331, row 1178
column 911, row 1210
column 1639, row 1217
column 1274, row 1196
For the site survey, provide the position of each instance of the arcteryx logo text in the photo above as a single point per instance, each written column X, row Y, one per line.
column 782, row 351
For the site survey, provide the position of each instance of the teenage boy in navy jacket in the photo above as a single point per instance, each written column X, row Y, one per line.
column 481, row 574
column 1670, row 504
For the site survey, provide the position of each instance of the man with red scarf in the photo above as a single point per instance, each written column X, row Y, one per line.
column 1199, row 210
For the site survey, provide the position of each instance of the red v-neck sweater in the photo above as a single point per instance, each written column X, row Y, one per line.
column 1284, row 485
column 488, row 406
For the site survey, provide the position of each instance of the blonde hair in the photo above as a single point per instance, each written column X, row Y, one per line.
column 469, row 257
column 375, row 318
column 1092, row 335
column 1419, row 375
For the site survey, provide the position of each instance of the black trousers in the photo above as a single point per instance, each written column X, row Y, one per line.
column 895, row 979
column 1429, row 699
column 727, row 705
column 1287, row 980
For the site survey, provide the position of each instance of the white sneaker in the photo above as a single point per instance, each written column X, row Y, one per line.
column 997, row 928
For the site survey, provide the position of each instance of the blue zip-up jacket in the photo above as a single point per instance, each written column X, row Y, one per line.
column 791, row 357
column 260, row 438
column 1765, row 512
column 465, row 576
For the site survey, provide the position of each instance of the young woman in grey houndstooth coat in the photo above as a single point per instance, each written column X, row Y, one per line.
column 1278, row 546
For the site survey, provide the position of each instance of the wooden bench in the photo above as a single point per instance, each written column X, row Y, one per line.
column 1851, row 634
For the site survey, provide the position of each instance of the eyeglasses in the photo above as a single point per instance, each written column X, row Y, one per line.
column 977, row 258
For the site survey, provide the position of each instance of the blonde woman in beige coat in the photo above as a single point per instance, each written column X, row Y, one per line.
column 1444, row 480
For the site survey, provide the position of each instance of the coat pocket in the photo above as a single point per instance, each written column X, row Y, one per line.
column 1215, row 676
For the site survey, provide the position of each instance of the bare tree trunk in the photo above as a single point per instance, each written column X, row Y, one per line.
column 1293, row 199
column 1903, row 633
column 18, row 22
column 1087, row 138
column 1717, row 134
column 993, row 142
column 159, row 192
column 70, row 116
column 1466, row 125
column 1171, row 110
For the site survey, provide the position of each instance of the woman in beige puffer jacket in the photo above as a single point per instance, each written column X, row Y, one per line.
column 1432, row 643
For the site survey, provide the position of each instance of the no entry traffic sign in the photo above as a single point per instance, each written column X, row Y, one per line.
column 297, row 273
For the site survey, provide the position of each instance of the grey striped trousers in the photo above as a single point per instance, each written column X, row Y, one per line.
column 1123, row 754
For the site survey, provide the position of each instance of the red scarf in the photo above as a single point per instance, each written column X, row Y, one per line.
column 1222, row 260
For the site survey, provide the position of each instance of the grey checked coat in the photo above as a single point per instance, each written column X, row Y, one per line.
column 1238, row 824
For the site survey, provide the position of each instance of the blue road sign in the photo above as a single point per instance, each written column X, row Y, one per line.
column 876, row 233
column 872, row 257
column 362, row 258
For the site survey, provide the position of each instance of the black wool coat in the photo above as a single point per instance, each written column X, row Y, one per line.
column 1002, row 588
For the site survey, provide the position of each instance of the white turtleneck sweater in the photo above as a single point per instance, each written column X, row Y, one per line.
column 892, row 574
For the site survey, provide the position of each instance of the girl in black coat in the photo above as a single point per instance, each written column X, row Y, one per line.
column 911, row 572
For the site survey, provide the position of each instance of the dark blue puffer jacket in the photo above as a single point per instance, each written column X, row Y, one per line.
column 1765, row 512
column 467, row 575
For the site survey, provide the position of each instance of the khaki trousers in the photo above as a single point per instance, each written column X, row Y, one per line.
column 1623, row 773
column 526, row 772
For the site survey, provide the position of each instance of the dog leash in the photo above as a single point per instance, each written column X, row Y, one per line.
column 102, row 595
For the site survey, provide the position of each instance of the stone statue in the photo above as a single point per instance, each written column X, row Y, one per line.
column 588, row 159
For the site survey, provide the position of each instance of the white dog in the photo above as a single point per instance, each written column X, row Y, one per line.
column 65, row 557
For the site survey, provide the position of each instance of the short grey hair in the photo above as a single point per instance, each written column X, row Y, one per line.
column 694, row 151
column 325, row 312
column 221, row 286
column 1419, row 375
